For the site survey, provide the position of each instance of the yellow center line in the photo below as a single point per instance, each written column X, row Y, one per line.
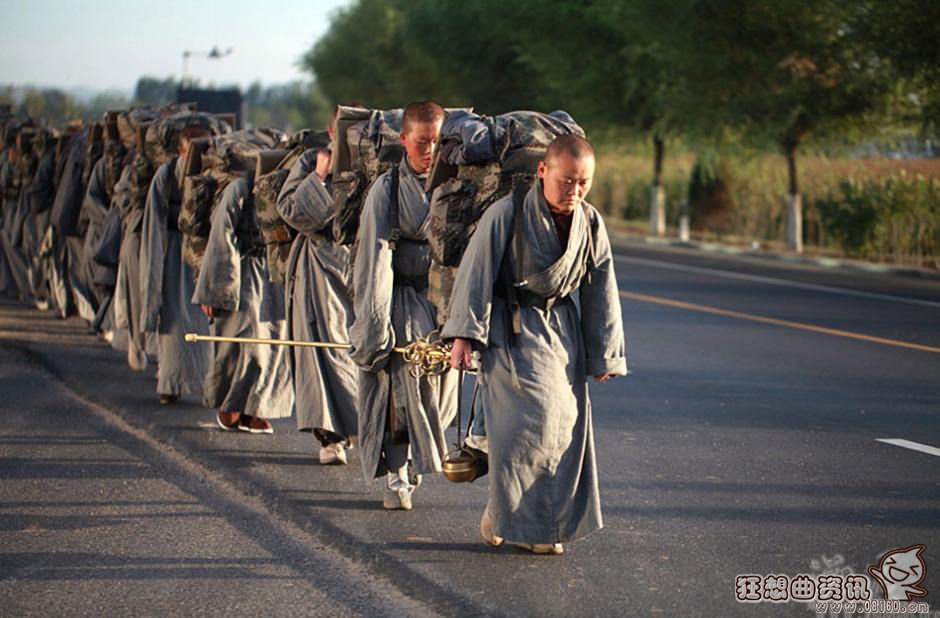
column 668, row 302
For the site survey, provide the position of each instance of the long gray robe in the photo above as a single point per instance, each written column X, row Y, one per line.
column 166, row 287
column 7, row 283
column 233, row 279
column 41, row 194
column 12, row 236
column 95, row 208
column 318, row 306
column 126, row 302
column 389, row 315
column 533, row 385
column 66, row 219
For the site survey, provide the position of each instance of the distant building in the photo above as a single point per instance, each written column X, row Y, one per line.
column 227, row 101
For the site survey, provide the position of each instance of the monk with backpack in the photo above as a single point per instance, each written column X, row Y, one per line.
column 401, row 417
column 536, row 294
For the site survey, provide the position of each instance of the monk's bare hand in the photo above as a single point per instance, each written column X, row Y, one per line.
column 603, row 377
column 460, row 354
column 210, row 313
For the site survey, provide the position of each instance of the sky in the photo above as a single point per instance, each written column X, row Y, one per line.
column 108, row 44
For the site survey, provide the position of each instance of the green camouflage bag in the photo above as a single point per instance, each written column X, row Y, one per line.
column 94, row 149
column 367, row 145
column 162, row 139
column 210, row 166
column 273, row 169
column 463, row 191
column 114, row 152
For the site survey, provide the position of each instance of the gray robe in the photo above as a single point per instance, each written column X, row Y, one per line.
column 533, row 384
column 318, row 305
column 390, row 314
column 233, row 279
column 95, row 209
column 126, row 302
column 166, row 288
column 12, row 236
column 7, row 284
column 41, row 194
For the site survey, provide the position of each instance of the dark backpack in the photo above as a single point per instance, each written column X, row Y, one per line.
column 478, row 161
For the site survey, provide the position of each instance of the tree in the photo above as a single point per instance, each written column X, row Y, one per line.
column 289, row 106
column 387, row 53
column 780, row 72
column 614, row 68
column 52, row 105
column 906, row 35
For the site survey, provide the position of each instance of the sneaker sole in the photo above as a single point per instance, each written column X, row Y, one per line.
column 539, row 551
column 255, row 431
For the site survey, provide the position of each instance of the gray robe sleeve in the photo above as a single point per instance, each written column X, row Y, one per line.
column 471, row 302
column 153, row 242
column 304, row 203
column 96, row 203
column 219, row 283
column 601, row 320
column 371, row 334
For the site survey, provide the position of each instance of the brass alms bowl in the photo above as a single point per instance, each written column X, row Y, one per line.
column 459, row 466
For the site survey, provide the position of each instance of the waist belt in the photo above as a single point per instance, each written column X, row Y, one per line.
column 418, row 282
column 524, row 298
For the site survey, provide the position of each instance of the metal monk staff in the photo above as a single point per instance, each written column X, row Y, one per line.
column 427, row 357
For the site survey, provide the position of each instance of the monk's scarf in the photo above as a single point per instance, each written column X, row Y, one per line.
column 565, row 274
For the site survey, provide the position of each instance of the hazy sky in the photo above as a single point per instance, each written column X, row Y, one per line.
column 110, row 43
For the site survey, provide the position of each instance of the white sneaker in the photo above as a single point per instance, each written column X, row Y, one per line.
column 137, row 362
column 332, row 454
column 397, row 500
column 107, row 335
column 42, row 305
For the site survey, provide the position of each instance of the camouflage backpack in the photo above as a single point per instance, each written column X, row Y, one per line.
column 94, row 149
column 114, row 152
column 367, row 144
column 270, row 175
column 161, row 141
column 131, row 127
column 210, row 165
column 478, row 161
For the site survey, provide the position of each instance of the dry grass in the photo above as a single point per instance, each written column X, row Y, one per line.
column 758, row 188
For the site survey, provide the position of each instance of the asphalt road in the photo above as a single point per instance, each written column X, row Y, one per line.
column 744, row 441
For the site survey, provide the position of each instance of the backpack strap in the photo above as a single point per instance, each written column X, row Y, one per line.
column 517, row 242
column 395, row 216
column 590, row 258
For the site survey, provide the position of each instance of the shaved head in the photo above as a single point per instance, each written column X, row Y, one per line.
column 573, row 145
column 421, row 111
column 567, row 172
column 420, row 130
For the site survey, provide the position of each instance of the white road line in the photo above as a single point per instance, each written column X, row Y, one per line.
column 914, row 446
column 773, row 281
